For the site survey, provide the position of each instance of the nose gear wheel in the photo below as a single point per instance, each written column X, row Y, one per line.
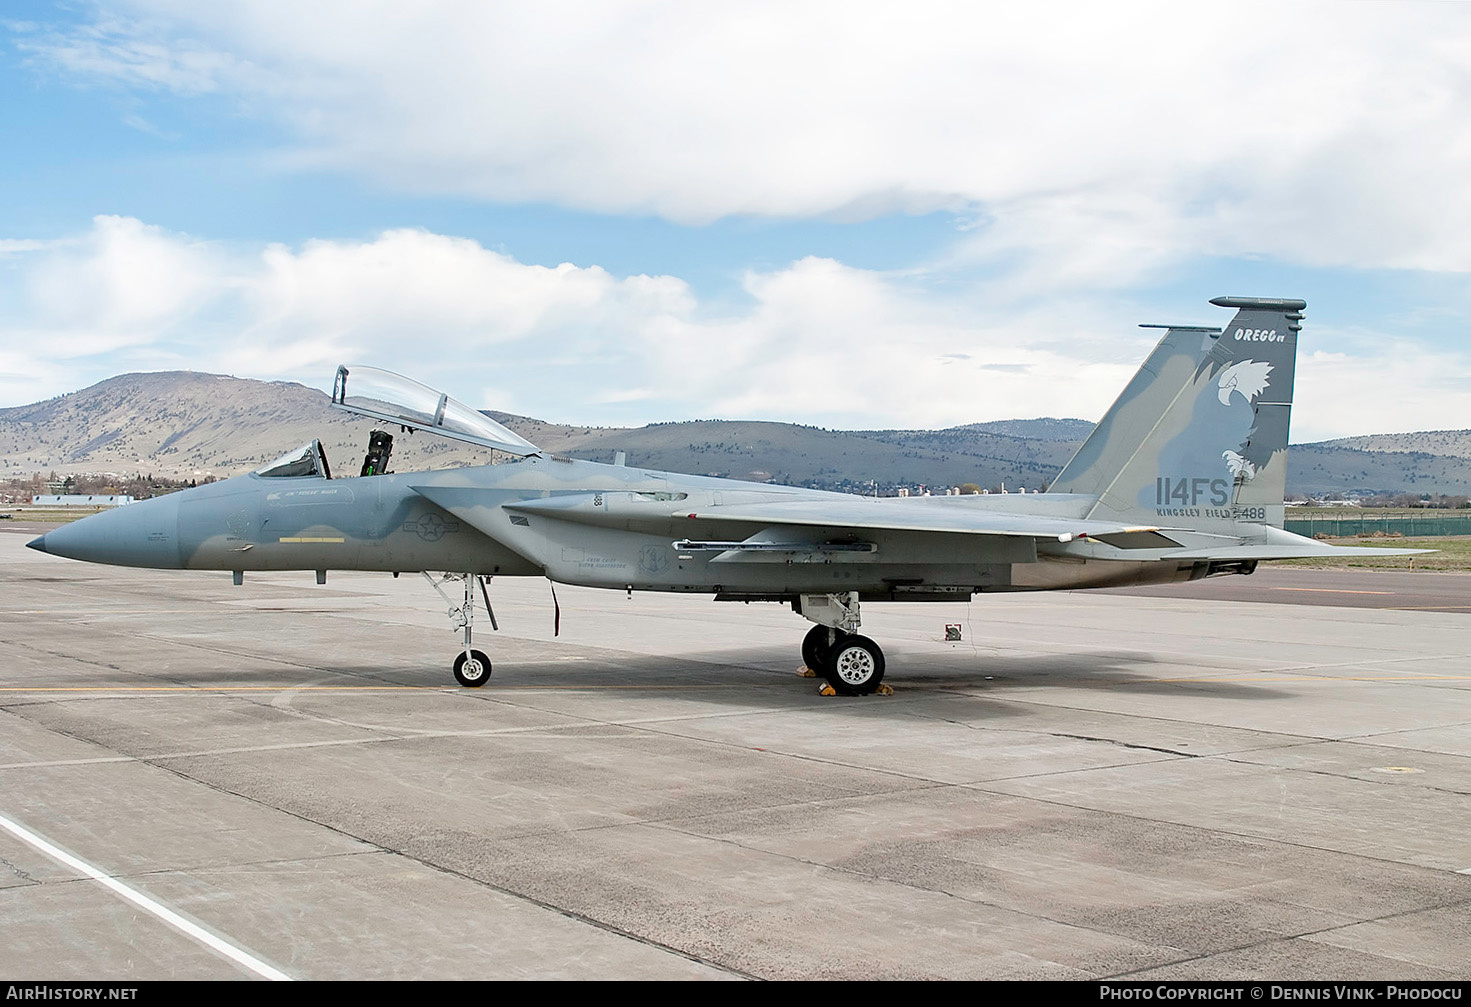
column 472, row 669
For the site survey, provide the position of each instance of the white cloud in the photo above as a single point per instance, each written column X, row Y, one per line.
column 1404, row 386
column 817, row 342
column 115, row 286
column 1101, row 140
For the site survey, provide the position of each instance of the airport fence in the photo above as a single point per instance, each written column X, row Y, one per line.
column 1409, row 525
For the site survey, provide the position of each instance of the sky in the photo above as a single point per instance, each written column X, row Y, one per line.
column 850, row 215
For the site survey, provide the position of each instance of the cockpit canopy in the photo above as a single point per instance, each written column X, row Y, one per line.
column 308, row 460
column 393, row 398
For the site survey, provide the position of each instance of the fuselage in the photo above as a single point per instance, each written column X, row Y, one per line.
column 581, row 523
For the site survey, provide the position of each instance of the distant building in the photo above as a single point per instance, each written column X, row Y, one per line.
column 80, row 500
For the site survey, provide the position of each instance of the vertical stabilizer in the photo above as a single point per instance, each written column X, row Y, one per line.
column 1198, row 439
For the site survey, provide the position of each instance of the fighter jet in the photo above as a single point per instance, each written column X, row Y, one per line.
column 1183, row 478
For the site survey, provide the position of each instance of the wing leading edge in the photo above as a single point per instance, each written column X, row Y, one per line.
column 863, row 514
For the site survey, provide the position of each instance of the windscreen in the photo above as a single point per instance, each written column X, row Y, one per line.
column 384, row 395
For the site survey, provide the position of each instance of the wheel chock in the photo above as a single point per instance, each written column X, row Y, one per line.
column 806, row 672
column 882, row 690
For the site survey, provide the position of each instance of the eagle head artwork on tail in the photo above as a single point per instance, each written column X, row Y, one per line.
column 1247, row 378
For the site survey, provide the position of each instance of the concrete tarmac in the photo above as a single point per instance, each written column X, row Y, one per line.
column 1090, row 785
column 1402, row 590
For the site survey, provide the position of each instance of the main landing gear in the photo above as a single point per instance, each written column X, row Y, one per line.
column 853, row 665
column 472, row 667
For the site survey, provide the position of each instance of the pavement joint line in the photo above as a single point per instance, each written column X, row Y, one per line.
column 1286, row 741
column 450, row 689
column 101, row 760
column 164, row 872
column 1382, row 781
column 1244, row 677
column 878, row 770
column 1121, row 744
column 214, row 690
column 1354, row 739
column 1289, row 738
column 290, row 746
column 196, row 645
column 194, row 871
column 215, row 943
column 1075, row 737
column 546, row 730
column 1329, row 590
column 1304, row 935
column 19, row 872
column 576, row 916
column 215, row 649
column 911, row 886
column 981, row 785
column 746, row 748
column 1382, row 660
column 667, row 821
column 1324, row 679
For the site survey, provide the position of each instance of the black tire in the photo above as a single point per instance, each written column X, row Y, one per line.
column 855, row 666
column 814, row 645
column 474, row 671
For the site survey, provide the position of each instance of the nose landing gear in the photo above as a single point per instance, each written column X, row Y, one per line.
column 472, row 667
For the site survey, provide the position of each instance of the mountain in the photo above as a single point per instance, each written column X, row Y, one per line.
column 1429, row 461
column 1456, row 443
column 183, row 424
column 811, row 456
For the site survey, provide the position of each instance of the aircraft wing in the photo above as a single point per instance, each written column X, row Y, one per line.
column 870, row 514
column 824, row 524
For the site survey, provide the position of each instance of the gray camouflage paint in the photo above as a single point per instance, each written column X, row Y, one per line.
column 1199, row 438
column 1199, row 398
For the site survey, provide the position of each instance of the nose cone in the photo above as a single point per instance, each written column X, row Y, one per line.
column 140, row 534
column 38, row 543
